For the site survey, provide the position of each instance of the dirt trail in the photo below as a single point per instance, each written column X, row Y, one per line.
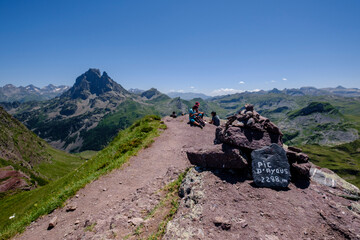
column 111, row 207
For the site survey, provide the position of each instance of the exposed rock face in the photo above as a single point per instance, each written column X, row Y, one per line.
column 92, row 82
column 328, row 178
column 218, row 156
column 11, row 179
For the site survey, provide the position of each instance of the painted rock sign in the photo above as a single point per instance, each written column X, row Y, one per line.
column 270, row 167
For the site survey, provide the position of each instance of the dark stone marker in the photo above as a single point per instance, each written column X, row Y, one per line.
column 270, row 167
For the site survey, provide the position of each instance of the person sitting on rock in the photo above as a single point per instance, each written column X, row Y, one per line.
column 193, row 117
column 200, row 114
column 173, row 115
column 215, row 119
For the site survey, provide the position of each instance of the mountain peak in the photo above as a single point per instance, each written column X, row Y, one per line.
column 92, row 82
column 151, row 93
column 93, row 71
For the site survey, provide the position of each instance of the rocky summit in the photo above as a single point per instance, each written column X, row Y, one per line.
column 241, row 138
column 92, row 82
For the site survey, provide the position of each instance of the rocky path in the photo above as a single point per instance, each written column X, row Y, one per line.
column 112, row 206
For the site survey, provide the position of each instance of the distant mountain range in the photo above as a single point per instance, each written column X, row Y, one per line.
column 11, row 93
column 90, row 113
column 136, row 91
column 188, row 95
column 312, row 91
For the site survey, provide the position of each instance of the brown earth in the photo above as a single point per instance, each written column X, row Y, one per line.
column 217, row 204
column 10, row 179
column 221, row 204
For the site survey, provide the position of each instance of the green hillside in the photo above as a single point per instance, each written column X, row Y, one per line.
column 31, row 155
column 28, row 206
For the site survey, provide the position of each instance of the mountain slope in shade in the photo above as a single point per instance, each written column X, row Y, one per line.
column 10, row 93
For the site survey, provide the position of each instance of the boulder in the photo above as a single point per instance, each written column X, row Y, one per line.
column 296, row 157
column 295, row 149
column 329, row 178
column 301, row 170
column 225, row 224
column 217, row 156
column 52, row 223
column 247, row 138
column 270, row 167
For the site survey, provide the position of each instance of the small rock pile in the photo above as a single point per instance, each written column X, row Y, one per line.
column 243, row 133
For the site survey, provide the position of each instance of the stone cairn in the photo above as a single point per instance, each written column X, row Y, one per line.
column 243, row 133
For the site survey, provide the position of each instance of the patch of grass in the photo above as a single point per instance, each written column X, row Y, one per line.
column 167, row 207
column 28, row 206
column 86, row 154
column 90, row 228
column 312, row 108
column 171, row 201
column 59, row 165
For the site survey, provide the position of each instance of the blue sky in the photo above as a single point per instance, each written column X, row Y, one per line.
column 202, row 46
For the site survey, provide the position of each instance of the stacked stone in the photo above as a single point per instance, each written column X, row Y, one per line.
column 299, row 163
column 249, row 130
column 243, row 133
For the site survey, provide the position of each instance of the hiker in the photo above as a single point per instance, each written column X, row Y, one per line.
column 173, row 115
column 200, row 114
column 193, row 117
column 215, row 119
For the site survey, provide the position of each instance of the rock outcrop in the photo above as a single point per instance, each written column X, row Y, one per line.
column 240, row 136
column 218, row 156
column 10, row 179
column 221, row 204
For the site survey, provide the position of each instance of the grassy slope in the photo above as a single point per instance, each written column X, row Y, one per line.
column 61, row 163
column 28, row 206
column 31, row 154
column 127, row 113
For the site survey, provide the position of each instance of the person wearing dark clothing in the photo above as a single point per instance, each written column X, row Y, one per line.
column 173, row 115
column 215, row 119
